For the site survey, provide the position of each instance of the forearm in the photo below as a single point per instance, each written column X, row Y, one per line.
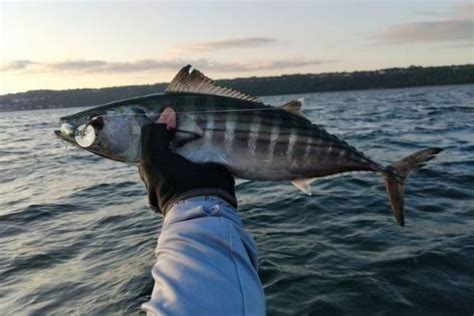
column 206, row 259
column 206, row 262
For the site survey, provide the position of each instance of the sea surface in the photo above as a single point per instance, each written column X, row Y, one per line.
column 76, row 236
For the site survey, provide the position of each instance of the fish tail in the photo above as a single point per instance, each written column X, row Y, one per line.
column 396, row 175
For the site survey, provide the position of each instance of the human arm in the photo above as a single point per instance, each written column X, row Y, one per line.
column 206, row 262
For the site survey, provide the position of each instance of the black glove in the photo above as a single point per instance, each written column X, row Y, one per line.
column 169, row 177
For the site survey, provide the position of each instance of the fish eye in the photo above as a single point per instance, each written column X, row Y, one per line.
column 85, row 135
column 97, row 122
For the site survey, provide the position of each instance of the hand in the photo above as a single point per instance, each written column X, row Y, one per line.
column 169, row 177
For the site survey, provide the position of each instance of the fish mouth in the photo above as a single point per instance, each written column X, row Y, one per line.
column 70, row 140
column 66, row 138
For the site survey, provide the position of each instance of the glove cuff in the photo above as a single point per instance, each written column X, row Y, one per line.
column 200, row 192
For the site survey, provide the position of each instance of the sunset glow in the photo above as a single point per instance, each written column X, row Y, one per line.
column 62, row 45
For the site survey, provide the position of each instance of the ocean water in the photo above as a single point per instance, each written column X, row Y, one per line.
column 76, row 236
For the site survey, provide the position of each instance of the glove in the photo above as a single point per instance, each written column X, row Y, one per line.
column 169, row 177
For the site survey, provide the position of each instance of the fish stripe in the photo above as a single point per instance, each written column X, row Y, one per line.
column 231, row 123
column 329, row 149
column 210, row 127
column 273, row 140
column 254, row 133
column 291, row 143
column 268, row 121
column 284, row 138
column 284, row 130
column 258, row 131
column 309, row 146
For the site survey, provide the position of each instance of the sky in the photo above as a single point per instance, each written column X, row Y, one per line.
column 71, row 44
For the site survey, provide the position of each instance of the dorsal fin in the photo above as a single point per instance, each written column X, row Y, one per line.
column 196, row 82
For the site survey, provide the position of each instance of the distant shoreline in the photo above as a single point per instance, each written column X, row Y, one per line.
column 412, row 76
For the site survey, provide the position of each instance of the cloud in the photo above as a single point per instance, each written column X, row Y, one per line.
column 265, row 65
column 430, row 13
column 91, row 66
column 16, row 65
column 112, row 67
column 172, row 63
column 422, row 32
column 458, row 27
column 464, row 11
column 147, row 65
column 245, row 42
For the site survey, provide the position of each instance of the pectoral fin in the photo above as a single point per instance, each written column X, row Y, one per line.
column 187, row 130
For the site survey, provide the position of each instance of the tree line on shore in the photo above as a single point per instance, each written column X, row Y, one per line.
column 413, row 76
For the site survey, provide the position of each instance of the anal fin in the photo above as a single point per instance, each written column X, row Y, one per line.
column 303, row 184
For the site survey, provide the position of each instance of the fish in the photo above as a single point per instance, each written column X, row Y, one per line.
column 253, row 140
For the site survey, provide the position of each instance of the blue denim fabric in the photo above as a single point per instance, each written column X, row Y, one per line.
column 206, row 263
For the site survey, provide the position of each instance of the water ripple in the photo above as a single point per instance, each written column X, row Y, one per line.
column 76, row 236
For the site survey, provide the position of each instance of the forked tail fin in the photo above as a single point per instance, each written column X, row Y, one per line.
column 396, row 176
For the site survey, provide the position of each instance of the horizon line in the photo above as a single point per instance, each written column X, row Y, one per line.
column 237, row 78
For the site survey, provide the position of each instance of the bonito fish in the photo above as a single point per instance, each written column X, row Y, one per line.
column 253, row 140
